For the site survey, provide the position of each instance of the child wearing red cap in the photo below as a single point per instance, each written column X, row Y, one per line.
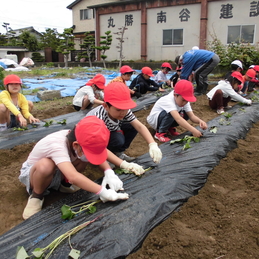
column 161, row 78
column 173, row 110
column 91, row 93
column 123, row 126
column 249, row 75
column 14, row 108
column 253, row 83
column 221, row 94
column 142, row 83
column 57, row 160
column 126, row 73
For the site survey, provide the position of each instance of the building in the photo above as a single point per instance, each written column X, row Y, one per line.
column 162, row 29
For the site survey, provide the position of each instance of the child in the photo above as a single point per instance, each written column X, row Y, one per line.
column 142, row 83
column 221, row 94
column 173, row 110
column 236, row 65
column 14, row 108
column 254, row 82
column 57, row 160
column 202, row 62
column 123, row 125
column 161, row 78
column 176, row 76
column 126, row 73
column 249, row 75
column 91, row 93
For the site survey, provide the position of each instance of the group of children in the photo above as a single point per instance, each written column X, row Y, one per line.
column 104, row 134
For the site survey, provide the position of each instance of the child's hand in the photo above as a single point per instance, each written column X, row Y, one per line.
column 22, row 120
column 33, row 120
column 203, row 125
column 196, row 133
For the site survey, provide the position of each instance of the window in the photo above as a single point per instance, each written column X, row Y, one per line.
column 241, row 33
column 85, row 14
column 173, row 37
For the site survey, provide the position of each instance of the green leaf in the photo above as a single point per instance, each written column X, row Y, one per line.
column 196, row 139
column 213, row 129
column 92, row 209
column 38, row 252
column 176, row 140
column 74, row 254
column 66, row 212
column 21, row 253
column 186, row 146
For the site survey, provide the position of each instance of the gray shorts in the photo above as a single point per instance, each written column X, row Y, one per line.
column 25, row 178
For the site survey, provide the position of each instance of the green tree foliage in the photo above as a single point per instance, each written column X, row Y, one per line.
column 1, row 79
column 29, row 41
column 120, row 38
column 66, row 44
column 37, row 57
column 3, row 40
column 50, row 38
column 89, row 47
column 104, row 45
column 248, row 54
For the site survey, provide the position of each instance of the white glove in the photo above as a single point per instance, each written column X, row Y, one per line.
column 155, row 152
column 133, row 167
column 111, row 179
column 111, row 195
column 249, row 102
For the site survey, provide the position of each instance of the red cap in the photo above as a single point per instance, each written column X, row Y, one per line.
column 98, row 80
column 178, row 68
column 126, row 69
column 251, row 73
column 256, row 68
column 118, row 95
column 185, row 89
column 238, row 76
column 93, row 137
column 147, row 71
column 166, row 64
column 12, row 79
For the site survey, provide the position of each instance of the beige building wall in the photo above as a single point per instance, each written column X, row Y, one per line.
column 240, row 12
column 191, row 30
column 89, row 24
column 131, row 45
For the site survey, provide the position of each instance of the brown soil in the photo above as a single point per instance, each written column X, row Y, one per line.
column 220, row 222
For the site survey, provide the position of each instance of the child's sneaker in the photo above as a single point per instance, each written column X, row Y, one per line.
column 220, row 111
column 125, row 157
column 173, row 132
column 68, row 189
column 228, row 107
column 3, row 126
column 162, row 137
column 33, row 206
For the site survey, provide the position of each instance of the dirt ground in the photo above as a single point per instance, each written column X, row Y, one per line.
column 220, row 222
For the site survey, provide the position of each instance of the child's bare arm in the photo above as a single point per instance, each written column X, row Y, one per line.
column 185, row 124
column 196, row 119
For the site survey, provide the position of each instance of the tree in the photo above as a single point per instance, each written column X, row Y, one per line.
column 121, row 40
column 50, row 38
column 66, row 44
column 29, row 41
column 104, row 45
column 89, row 46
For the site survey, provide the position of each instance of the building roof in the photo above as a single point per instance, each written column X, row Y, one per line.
column 18, row 32
column 73, row 4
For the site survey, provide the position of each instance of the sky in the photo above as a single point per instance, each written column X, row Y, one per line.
column 41, row 14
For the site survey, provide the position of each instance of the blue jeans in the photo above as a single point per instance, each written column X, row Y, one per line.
column 121, row 140
column 166, row 121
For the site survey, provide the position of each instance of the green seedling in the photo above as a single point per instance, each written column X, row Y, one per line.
column 63, row 122
column 227, row 115
column 242, row 110
column 255, row 98
column 125, row 171
column 68, row 212
column 187, row 140
column 48, row 123
column 20, row 129
column 46, row 252
column 213, row 129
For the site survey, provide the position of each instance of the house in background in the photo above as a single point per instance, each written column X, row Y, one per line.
column 31, row 30
column 161, row 30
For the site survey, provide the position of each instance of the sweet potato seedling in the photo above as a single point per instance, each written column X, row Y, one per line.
column 187, row 140
column 68, row 212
